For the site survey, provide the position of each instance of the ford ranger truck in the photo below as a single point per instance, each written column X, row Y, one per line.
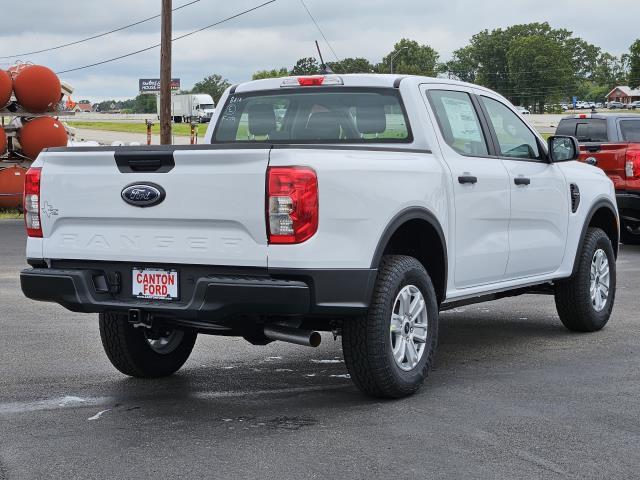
column 612, row 142
column 361, row 205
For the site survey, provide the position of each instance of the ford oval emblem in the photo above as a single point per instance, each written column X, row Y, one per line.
column 143, row 194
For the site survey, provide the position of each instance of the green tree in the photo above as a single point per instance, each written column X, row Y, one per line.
column 609, row 71
column 306, row 66
column 352, row 65
column 531, row 61
column 463, row 65
column 214, row 85
column 577, row 61
column 411, row 58
column 634, row 64
column 145, row 103
column 275, row 73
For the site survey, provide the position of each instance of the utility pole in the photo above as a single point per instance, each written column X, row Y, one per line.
column 165, row 74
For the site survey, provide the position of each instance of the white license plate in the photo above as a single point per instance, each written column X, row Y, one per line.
column 155, row 284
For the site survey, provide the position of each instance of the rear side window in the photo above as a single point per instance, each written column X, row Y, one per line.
column 314, row 115
column 458, row 121
column 567, row 127
column 630, row 130
column 584, row 129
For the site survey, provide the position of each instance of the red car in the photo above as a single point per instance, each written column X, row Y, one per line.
column 612, row 142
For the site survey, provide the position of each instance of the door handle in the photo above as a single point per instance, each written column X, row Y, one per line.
column 522, row 181
column 467, row 179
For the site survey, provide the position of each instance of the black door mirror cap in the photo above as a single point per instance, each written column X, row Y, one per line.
column 562, row 139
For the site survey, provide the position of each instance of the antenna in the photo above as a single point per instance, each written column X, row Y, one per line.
column 324, row 68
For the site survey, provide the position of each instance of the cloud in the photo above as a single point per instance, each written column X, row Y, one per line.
column 276, row 35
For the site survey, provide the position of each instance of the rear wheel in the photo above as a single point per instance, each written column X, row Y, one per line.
column 142, row 352
column 585, row 300
column 389, row 351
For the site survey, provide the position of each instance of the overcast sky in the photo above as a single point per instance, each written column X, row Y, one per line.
column 278, row 34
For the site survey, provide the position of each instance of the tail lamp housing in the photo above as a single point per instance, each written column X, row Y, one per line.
column 31, row 202
column 632, row 164
column 292, row 204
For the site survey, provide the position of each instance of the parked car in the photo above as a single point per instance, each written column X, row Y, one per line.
column 616, row 105
column 634, row 105
column 612, row 142
column 377, row 202
column 523, row 110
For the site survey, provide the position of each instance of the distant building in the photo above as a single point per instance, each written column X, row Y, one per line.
column 82, row 107
column 624, row 94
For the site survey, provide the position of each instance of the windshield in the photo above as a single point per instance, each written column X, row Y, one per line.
column 206, row 106
column 314, row 115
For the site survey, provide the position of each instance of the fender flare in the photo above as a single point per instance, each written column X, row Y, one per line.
column 411, row 213
column 603, row 202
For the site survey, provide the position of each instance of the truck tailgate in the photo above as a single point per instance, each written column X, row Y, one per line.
column 611, row 158
column 213, row 212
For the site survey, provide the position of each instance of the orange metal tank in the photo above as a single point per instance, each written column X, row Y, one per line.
column 11, row 186
column 37, row 88
column 3, row 141
column 6, row 87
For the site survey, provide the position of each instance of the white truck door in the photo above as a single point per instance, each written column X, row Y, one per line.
column 539, row 195
column 480, row 186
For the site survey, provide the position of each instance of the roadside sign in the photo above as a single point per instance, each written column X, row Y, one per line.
column 152, row 85
column 575, row 102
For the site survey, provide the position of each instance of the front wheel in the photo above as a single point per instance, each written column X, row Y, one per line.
column 585, row 300
column 141, row 352
column 389, row 352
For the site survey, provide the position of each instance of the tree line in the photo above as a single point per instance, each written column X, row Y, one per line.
column 531, row 64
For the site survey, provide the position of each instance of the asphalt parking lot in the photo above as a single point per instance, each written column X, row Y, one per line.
column 513, row 395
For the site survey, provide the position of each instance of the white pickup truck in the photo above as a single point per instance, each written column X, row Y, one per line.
column 360, row 205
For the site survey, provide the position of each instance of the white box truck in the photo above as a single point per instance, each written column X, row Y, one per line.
column 189, row 107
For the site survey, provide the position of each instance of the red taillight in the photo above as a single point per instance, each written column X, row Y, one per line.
column 31, row 202
column 292, row 204
column 632, row 165
column 312, row 81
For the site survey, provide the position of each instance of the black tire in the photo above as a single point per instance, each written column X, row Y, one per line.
column 366, row 340
column 130, row 352
column 573, row 297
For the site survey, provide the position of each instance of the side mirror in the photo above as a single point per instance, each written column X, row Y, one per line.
column 563, row 148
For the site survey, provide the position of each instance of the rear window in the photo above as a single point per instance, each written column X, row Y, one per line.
column 630, row 130
column 314, row 115
column 584, row 129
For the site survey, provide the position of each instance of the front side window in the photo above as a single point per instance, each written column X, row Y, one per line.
column 458, row 121
column 515, row 140
column 630, row 130
column 314, row 115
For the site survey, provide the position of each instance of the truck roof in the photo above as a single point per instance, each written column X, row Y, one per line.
column 356, row 80
column 601, row 116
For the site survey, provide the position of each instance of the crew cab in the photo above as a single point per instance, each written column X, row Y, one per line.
column 612, row 142
column 361, row 205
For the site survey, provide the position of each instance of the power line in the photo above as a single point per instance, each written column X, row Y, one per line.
column 320, row 30
column 130, row 54
column 76, row 42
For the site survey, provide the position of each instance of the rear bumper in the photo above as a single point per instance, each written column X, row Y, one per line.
column 206, row 297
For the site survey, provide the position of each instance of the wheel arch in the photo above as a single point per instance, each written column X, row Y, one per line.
column 602, row 215
column 417, row 232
